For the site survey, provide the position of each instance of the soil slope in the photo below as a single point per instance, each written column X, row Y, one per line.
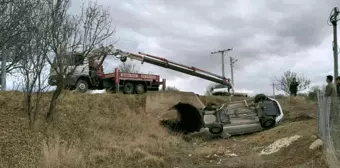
column 114, row 130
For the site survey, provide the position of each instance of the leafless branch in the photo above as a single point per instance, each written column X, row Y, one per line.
column 128, row 67
column 13, row 14
column 282, row 83
column 71, row 36
column 32, row 50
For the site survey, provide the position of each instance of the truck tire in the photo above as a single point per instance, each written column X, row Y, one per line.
column 140, row 88
column 128, row 88
column 82, row 86
column 260, row 97
column 267, row 122
column 123, row 59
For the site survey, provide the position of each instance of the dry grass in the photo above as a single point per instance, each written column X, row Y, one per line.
column 298, row 108
column 104, row 130
column 112, row 130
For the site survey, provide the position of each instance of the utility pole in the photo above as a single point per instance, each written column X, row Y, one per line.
column 232, row 62
column 334, row 19
column 222, row 55
column 273, row 85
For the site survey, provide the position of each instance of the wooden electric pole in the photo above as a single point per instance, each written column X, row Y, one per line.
column 334, row 19
column 273, row 85
column 232, row 62
column 222, row 55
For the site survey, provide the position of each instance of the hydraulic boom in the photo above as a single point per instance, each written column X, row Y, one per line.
column 162, row 62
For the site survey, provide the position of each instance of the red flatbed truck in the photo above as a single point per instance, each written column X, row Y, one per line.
column 89, row 74
column 131, row 83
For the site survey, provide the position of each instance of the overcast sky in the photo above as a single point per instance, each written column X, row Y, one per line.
column 267, row 37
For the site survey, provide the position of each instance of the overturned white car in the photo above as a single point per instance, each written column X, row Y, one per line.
column 236, row 118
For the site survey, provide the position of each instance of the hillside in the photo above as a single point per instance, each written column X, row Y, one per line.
column 114, row 130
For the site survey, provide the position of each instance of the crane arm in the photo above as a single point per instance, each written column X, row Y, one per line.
column 162, row 62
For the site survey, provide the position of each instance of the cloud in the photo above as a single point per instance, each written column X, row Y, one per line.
column 268, row 38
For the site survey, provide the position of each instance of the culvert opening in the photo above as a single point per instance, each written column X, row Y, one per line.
column 189, row 119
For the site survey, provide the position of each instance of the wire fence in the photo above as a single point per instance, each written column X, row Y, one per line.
column 329, row 127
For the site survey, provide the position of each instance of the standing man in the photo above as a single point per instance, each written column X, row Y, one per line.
column 293, row 87
column 330, row 88
column 330, row 92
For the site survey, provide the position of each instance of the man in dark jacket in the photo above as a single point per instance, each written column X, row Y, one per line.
column 293, row 87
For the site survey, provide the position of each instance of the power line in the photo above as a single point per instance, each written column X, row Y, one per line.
column 222, row 55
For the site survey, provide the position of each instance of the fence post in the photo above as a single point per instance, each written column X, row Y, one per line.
column 318, row 115
column 117, row 80
column 327, row 108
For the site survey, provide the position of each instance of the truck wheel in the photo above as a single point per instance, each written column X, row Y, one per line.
column 123, row 59
column 260, row 97
column 82, row 86
column 267, row 122
column 140, row 88
column 128, row 88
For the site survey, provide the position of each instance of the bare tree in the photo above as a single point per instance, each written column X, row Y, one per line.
column 171, row 88
column 128, row 67
column 71, row 36
column 32, row 49
column 283, row 82
column 13, row 13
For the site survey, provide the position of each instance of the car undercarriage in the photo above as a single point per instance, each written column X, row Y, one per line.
column 235, row 118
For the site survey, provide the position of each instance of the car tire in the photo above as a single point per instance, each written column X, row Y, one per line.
column 128, row 88
column 267, row 122
column 140, row 88
column 82, row 86
column 216, row 129
column 260, row 97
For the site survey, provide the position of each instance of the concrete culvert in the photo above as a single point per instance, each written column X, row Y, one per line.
column 189, row 119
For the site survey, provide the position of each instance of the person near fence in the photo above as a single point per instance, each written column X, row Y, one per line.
column 330, row 90
column 293, row 87
column 330, row 95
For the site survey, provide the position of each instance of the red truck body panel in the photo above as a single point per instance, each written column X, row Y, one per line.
column 127, row 76
column 132, row 76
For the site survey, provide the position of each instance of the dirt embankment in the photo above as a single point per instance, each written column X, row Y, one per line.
column 113, row 130
column 104, row 130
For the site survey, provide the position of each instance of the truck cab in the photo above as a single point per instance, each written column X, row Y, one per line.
column 76, row 66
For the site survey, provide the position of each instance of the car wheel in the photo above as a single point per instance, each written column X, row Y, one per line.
column 260, row 97
column 216, row 130
column 128, row 88
column 140, row 89
column 267, row 122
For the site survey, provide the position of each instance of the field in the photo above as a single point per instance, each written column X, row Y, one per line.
column 114, row 130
